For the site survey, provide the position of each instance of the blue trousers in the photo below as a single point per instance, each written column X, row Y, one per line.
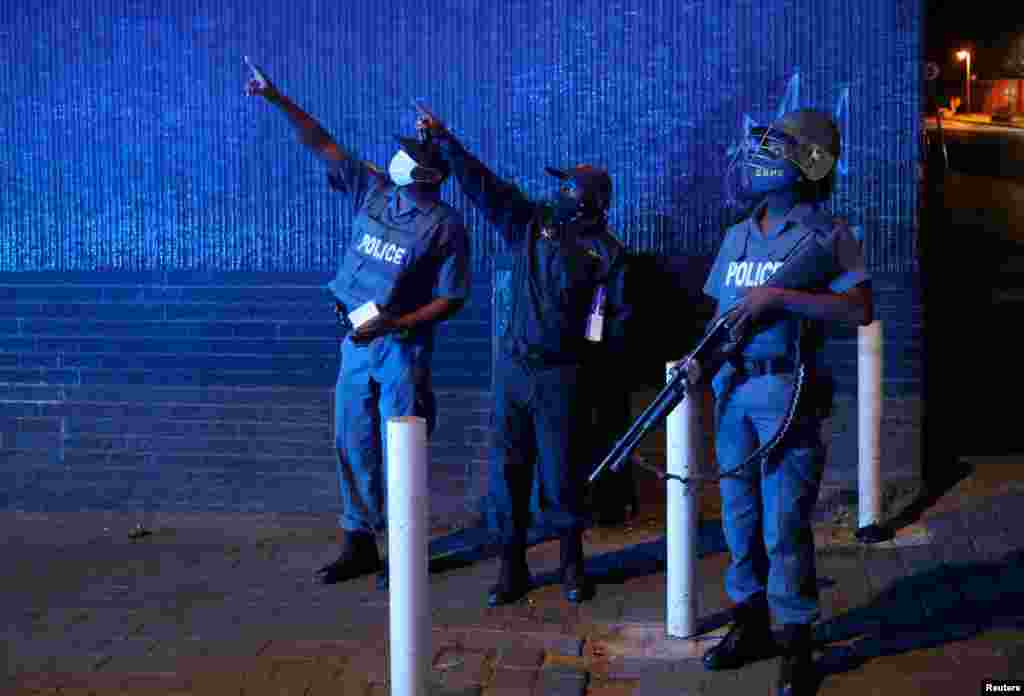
column 766, row 515
column 537, row 449
column 384, row 379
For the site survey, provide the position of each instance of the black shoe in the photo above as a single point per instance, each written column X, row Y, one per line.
column 501, row 593
column 348, row 539
column 383, row 577
column 797, row 675
column 352, row 543
column 576, row 586
column 750, row 638
column 611, row 517
column 358, row 557
column 514, row 580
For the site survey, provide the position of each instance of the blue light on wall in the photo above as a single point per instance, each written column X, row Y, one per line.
column 128, row 142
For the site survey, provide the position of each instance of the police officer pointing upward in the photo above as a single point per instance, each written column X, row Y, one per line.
column 409, row 255
column 784, row 172
column 564, row 259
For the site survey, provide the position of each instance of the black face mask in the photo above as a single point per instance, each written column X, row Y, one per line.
column 568, row 204
column 565, row 209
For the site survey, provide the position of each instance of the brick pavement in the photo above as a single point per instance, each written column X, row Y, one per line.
column 227, row 604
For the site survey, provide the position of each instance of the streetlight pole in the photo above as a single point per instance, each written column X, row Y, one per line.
column 966, row 55
column 968, row 83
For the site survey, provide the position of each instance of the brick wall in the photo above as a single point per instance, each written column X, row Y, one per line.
column 215, row 391
column 199, row 391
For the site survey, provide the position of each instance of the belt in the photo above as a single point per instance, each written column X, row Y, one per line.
column 759, row 368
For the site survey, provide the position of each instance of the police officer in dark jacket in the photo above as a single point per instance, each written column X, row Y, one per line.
column 409, row 256
column 566, row 266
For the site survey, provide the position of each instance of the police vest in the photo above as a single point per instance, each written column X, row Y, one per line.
column 382, row 256
column 752, row 262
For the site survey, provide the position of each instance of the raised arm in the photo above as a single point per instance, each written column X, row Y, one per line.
column 501, row 202
column 344, row 172
column 309, row 131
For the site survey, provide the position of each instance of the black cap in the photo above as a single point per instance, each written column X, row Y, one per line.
column 426, row 153
column 595, row 182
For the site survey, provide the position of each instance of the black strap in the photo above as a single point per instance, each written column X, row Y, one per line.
column 759, row 368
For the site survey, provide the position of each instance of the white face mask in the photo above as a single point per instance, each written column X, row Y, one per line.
column 401, row 168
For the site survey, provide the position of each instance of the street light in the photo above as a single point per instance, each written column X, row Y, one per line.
column 965, row 55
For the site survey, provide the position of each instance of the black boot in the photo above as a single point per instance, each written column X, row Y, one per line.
column 358, row 557
column 749, row 639
column 797, row 675
column 513, row 578
column 383, row 577
column 575, row 585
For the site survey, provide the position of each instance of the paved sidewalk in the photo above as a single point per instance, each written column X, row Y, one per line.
column 227, row 604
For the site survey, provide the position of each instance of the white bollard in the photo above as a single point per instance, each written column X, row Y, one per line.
column 407, row 462
column 869, row 425
column 683, row 450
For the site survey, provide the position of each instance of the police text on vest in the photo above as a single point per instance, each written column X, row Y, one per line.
column 379, row 249
column 749, row 274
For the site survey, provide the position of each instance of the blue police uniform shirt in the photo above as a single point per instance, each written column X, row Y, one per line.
column 405, row 250
column 748, row 258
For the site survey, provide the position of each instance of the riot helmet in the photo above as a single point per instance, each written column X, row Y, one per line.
column 799, row 149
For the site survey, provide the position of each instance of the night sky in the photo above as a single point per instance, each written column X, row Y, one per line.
column 989, row 29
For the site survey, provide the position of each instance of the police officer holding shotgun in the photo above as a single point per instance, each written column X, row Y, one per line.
column 783, row 172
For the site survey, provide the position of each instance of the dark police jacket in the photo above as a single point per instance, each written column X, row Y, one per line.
column 555, row 272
